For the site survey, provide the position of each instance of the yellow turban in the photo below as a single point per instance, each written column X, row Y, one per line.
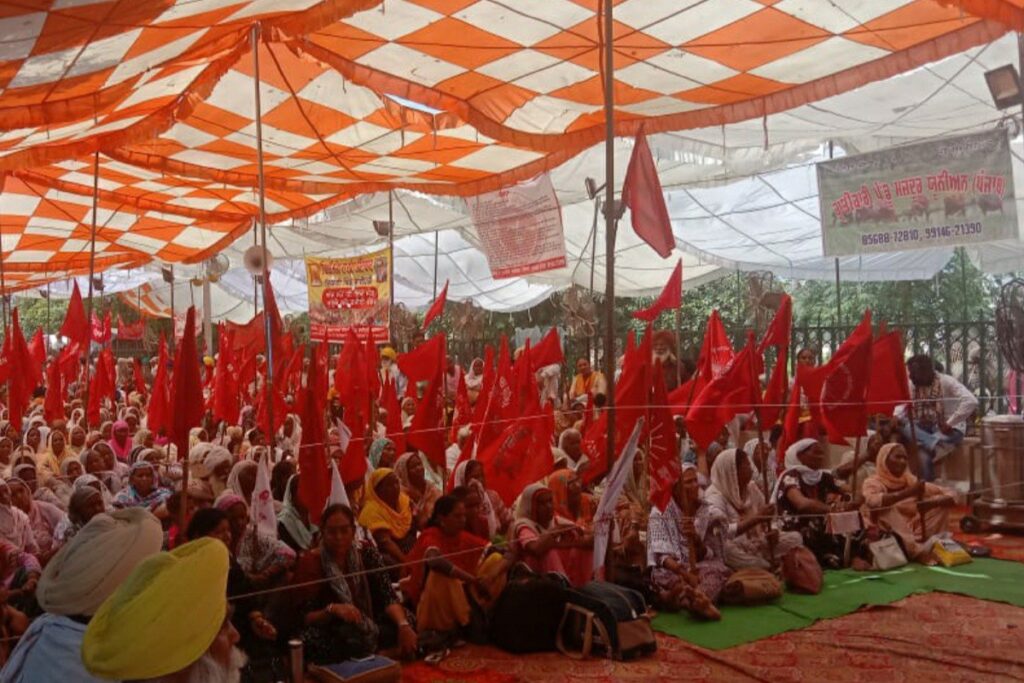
column 388, row 352
column 164, row 617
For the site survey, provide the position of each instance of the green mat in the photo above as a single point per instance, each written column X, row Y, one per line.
column 844, row 592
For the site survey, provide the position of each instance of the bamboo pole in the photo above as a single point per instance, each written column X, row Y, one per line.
column 92, row 271
column 610, row 225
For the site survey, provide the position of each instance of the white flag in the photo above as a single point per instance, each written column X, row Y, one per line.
column 605, row 515
column 261, row 512
column 344, row 435
column 338, row 493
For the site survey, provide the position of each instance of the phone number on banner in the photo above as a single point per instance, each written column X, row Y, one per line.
column 938, row 232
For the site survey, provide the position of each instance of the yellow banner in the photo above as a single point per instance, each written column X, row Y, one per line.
column 350, row 293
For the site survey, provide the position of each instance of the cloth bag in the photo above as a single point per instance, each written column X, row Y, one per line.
column 886, row 553
column 751, row 586
column 802, row 572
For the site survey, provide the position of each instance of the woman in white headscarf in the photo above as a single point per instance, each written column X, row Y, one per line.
column 805, row 494
column 735, row 496
column 762, row 458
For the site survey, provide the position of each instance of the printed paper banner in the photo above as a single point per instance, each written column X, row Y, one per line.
column 520, row 228
column 938, row 193
column 350, row 293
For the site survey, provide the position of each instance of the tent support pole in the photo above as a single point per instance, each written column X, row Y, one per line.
column 436, row 248
column 47, row 335
column 174, row 336
column 267, row 334
column 611, row 217
column 391, row 265
column 208, row 317
column 92, row 269
column 3, row 279
column 839, row 298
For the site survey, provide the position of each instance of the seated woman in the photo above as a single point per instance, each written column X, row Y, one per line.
column 343, row 605
column 864, row 462
column 735, row 497
column 63, row 485
column 43, row 518
column 387, row 514
column 493, row 511
column 26, row 471
column 19, row 577
column 761, row 457
column 898, row 502
column 422, row 494
column 446, row 562
column 685, row 551
column 86, row 502
column 262, row 557
column 50, row 460
column 547, row 543
column 293, row 525
column 383, row 453
column 571, row 502
column 805, row 494
column 142, row 490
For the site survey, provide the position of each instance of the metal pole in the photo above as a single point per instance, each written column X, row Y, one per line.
column 208, row 317
column 3, row 280
column 436, row 247
column 173, row 319
column 391, row 264
column 92, row 267
column 610, row 224
column 46, row 337
column 269, row 384
column 839, row 300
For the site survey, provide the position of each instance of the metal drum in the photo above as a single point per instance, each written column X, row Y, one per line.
column 999, row 503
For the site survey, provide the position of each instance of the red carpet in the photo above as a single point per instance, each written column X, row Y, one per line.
column 934, row 637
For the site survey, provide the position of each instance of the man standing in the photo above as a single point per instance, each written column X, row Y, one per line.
column 664, row 349
column 587, row 381
column 941, row 407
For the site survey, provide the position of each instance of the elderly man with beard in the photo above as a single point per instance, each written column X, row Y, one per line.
column 86, row 571
column 169, row 622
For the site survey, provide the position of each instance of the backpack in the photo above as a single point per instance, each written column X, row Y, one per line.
column 526, row 616
column 609, row 618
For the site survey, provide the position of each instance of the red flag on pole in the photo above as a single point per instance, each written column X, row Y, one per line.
column 37, row 348
column 187, row 409
column 53, row 404
column 716, row 349
column 315, row 482
column 418, row 365
column 140, row 379
column 519, row 456
column 158, row 413
column 889, row 386
column 501, row 402
column 23, row 372
column 548, row 351
column 76, row 326
column 733, row 392
column 641, row 192
column 427, row 430
column 389, row 402
column 225, row 380
column 436, row 308
column 777, row 335
column 663, row 463
column 671, row 297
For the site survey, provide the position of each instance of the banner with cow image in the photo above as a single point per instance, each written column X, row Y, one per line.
column 939, row 193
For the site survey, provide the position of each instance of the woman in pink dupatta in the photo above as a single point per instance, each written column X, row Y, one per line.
column 549, row 543
column 121, row 441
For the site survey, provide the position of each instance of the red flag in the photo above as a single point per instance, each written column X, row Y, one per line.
column 837, row 391
column 389, row 401
column 23, row 372
column 159, row 411
column 501, row 401
column 76, row 326
column 525, row 384
column 225, row 380
column 315, row 482
column 631, row 393
column 777, row 335
column 372, row 376
column 187, row 410
column 733, row 392
column 663, row 464
column 519, row 456
column 641, row 192
column 418, row 365
column 427, row 432
column 889, row 384
column 37, row 348
column 671, row 297
column 436, row 308
column 548, row 351
column 53, row 404
column 101, row 328
column 140, row 379
column 716, row 349
column 353, row 393
column 791, row 420
column 101, row 386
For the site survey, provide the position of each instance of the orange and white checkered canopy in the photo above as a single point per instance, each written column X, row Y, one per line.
column 448, row 97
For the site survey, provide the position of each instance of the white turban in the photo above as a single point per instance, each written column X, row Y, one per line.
column 93, row 564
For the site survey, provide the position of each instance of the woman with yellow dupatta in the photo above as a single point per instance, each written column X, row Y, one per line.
column 387, row 514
